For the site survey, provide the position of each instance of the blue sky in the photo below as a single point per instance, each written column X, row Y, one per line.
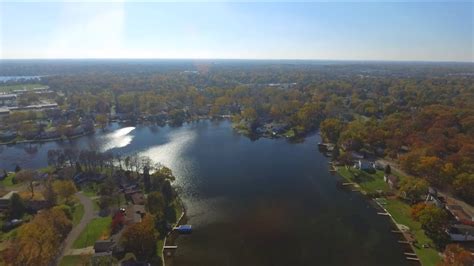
column 425, row 31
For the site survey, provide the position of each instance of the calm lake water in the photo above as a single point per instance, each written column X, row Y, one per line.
column 264, row 202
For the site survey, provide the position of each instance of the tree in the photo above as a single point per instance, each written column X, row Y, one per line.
column 146, row 179
column 49, row 194
column 168, row 192
column 156, row 203
column 331, row 128
column 434, row 221
column 455, row 255
column 65, row 189
column 141, row 238
column 101, row 119
column 38, row 241
column 387, row 170
column 27, row 176
column 413, row 188
column 17, row 207
column 464, row 186
column 161, row 175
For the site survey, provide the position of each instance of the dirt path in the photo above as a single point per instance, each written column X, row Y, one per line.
column 89, row 214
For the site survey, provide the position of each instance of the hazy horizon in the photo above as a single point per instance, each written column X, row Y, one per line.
column 399, row 32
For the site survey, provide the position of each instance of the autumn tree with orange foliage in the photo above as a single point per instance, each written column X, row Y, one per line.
column 141, row 238
column 455, row 255
column 38, row 241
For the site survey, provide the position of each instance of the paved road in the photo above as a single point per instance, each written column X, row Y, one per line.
column 89, row 214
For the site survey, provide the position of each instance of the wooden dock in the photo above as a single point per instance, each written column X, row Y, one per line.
column 411, row 256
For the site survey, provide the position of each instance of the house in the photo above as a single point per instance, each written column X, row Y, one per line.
column 433, row 197
column 8, row 99
column 135, row 213
column 461, row 232
column 391, row 180
column 356, row 155
column 104, row 246
column 5, row 200
column 459, row 214
column 364, row 165
column 138, row 198
column 4, row 112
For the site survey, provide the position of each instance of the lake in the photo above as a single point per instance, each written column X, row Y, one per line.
column 263, row 202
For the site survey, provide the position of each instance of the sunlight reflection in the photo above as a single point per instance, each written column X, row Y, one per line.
column 117, row 139
column 169, row 154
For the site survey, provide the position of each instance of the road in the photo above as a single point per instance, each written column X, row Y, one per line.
column 89, row 214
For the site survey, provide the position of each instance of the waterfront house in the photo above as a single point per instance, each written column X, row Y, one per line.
column 459, row 214
column 135, row 213
column 5, row 200
column 102, row 246
column 364, row 165
column 461, row 233
column 433, row 197
column 356, row 155
column 138, row 198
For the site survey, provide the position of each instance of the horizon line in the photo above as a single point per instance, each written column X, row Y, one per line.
column 238, row 59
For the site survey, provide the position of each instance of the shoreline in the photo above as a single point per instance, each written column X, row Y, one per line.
column 397, row 226
column 170, row 235
column 13, row 142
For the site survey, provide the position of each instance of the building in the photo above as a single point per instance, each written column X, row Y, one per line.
column 364, row 165
column 461, row 233
column 459, row 214
column 8, row 99
column 135, row 213
column 4, row 112
column 104, row 246
column 138, row 198
column 5, row 200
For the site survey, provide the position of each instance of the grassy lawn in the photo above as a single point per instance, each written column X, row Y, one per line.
column 89, row 190
column 159, row 247
column 96, row 229
column 368, row 182
column 75, row 260
column 400, row 211
column 78, row 213
column 8, row 181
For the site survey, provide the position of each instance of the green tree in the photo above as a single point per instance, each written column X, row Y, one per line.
column 413, row 188
column 16, row 207
column 434, row 221
column 156, row 203
column 65, row 189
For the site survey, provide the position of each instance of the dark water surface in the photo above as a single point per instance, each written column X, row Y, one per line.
column 264, row 202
